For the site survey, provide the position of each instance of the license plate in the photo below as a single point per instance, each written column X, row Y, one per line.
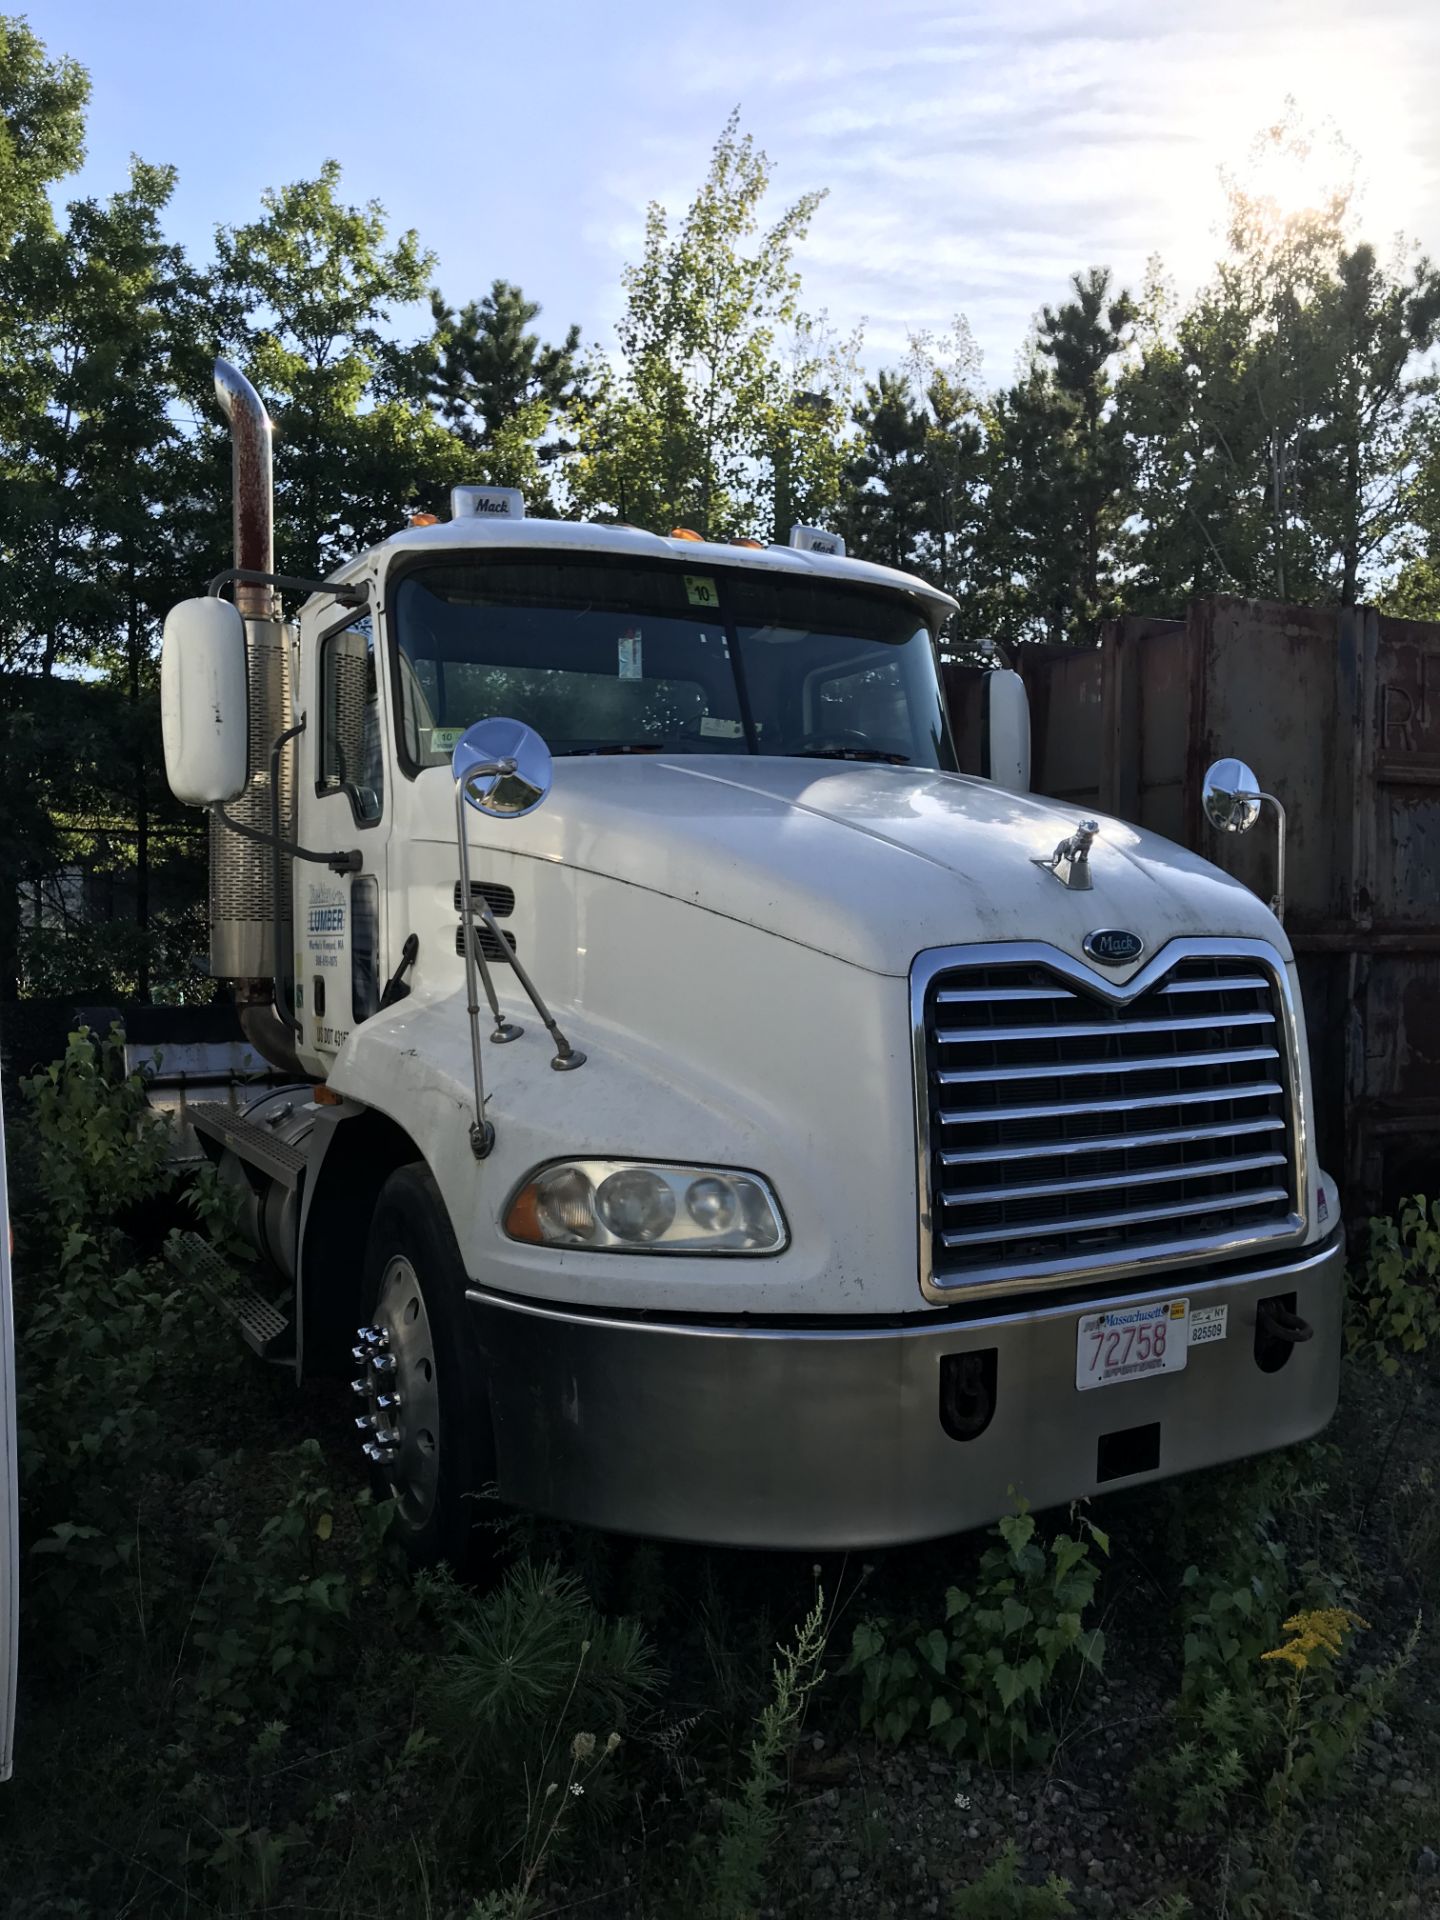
column 1131, row 1343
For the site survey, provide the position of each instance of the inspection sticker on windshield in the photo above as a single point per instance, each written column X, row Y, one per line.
column 631, row 659
column 444, row 739
column 1131, row 1343
column 700, row 590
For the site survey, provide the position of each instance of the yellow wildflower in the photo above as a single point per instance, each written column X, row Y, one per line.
column 1318, row 1630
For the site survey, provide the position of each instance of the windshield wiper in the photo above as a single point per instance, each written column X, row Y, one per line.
column 619, row 746
column 853, row 753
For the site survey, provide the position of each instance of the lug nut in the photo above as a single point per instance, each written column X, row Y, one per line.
column 362, row 1385
column 387, row 1437
column 383, row 1363
column 364, row 1422
column 388, row 1402
column 361, row 1353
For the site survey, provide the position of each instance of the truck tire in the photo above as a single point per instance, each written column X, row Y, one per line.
column 439, row 1439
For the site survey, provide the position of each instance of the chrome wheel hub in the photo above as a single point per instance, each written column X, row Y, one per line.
column 400, row 1427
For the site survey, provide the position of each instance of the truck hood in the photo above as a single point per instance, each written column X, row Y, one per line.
column 870, row 864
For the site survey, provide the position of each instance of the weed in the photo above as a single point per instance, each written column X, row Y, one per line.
column 530, row 1668
column 979, row 1683
column 750, row 1817
column 1395, row 1300
column 1001, row 1894
column 1268, row 1716
column 97, row 1328
column 274, row 1615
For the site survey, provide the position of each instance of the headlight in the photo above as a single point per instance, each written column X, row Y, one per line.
column 615, row 1206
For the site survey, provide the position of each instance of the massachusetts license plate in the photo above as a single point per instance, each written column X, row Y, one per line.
column 1131, row 1343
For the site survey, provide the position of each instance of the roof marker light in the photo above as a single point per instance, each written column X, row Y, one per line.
column 685, row 533
column 487, row 503
column 816, row 540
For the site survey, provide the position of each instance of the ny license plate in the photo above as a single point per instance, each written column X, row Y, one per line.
column 1131, row 1343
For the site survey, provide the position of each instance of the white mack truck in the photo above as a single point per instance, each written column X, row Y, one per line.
column 722, row 1116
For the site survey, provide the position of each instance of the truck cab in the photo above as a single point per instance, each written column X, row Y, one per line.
column 716, row 1113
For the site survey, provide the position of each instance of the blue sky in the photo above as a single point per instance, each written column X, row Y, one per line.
column 975, row 153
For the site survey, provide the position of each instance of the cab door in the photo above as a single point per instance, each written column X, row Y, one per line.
column 9, row 1490
column 339, row 932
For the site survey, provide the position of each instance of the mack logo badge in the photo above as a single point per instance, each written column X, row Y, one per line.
column 1113, row 946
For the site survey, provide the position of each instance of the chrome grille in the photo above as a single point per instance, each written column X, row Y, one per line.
column 1071, row 1131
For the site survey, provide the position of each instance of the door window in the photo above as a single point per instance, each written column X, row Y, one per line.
column 350, row 756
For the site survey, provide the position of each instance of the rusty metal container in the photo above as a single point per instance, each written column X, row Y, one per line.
column 1338, row 712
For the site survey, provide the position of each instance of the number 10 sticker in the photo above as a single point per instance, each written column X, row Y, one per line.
column 700, row 590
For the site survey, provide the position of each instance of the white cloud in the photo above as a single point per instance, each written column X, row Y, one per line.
column 977, row 155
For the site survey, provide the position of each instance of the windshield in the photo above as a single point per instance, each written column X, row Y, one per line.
column 626, row 658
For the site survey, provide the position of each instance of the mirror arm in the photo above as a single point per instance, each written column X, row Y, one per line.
column 1277, row 903
column 475, row 906
column 356, row 595
column 482, row 1131
column 566, row 1056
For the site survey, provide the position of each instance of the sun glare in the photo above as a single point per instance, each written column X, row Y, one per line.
column 1295, row 178
column 1219, row 113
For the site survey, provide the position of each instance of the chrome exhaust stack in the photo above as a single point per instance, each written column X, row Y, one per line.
column 244, row 910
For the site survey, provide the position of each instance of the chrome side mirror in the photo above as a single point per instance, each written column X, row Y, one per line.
column 502, row 767
column 1231, row 796
column 1232, row 799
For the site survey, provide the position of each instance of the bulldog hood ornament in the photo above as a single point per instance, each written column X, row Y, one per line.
column 1070, row 862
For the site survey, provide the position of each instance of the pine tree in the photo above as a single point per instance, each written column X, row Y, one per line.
column 1059, row 473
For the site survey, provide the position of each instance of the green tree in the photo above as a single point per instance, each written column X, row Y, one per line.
column 1274, row 423
column 1372, row 331
column 1059, row 479
column 90, row 442
column 916, row 477
column 499, row 388
column 886, row 502
column 1414, row 592
column 684, row 427
column 312, row 285
column 42, row 126
column 1198, row 445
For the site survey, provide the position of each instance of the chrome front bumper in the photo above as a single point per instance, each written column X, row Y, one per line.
column 831, row 1437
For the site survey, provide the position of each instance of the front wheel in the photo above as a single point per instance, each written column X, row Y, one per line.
column 422, row 1409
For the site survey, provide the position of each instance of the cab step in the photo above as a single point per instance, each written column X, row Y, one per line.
column 265, row 1328
column 253, row 1144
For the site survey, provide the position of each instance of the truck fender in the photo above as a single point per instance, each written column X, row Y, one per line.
column 353, row 1149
